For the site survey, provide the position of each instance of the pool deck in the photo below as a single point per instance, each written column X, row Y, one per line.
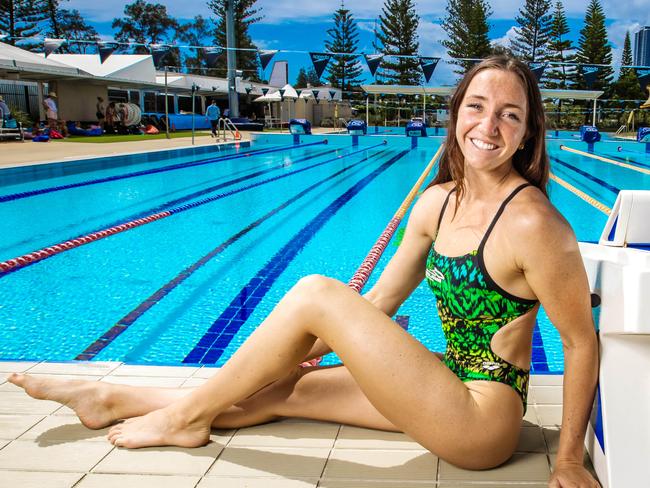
column 15, row 153
column 43, row 444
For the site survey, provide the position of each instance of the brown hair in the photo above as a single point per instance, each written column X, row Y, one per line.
column 531, row 162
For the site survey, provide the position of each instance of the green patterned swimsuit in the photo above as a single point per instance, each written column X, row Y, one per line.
column 472, row 308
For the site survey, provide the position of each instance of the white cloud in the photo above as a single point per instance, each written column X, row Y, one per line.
column 506, row 39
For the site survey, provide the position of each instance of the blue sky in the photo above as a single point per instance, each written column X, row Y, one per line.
column 294, row 25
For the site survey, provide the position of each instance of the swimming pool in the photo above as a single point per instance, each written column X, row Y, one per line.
column 222, row 234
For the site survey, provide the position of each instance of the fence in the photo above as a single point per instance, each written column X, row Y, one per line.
column 21, row 95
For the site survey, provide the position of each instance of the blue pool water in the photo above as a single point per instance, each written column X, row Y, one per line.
column 246, row 224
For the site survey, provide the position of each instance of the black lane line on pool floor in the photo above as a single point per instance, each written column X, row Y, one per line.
column 593, row 178
column 214, row 342
column 26, row 194
column 124, row 226
column 124, row 323
column 625, row 160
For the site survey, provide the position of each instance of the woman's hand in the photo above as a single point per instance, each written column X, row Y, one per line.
column 572, row 475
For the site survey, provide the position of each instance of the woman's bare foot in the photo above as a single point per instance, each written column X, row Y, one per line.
column 164, row 427
column 90, row 400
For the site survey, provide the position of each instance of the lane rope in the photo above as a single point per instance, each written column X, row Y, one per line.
column 363, row 272
column 33, row 257
column 590, row 200
column 604, row 159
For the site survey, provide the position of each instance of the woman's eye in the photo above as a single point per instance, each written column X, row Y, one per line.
column 511, row 116
column 475, row 106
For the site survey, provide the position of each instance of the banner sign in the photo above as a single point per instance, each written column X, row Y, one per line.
column 320, row 60
column 590, row 73
column 265, row 56
column 538, row 69
column 159, row 52
column 105, row 49
column 643, row 74
column 332, row 94
column 428, row 65
column 373, row 61
column 212, row 55
column 51, row 45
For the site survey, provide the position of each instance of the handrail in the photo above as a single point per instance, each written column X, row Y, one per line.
column 226, row 124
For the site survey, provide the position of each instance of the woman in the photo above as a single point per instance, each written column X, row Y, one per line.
column 486, row 216
column 112, row 118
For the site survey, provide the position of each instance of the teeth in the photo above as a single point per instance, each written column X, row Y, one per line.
column 483, row 145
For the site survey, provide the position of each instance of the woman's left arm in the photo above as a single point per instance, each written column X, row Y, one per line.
column 549, row 256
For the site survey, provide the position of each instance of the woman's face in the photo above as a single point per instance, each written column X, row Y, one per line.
column 491, row 121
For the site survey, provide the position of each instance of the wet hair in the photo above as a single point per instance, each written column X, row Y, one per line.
column 531, row 162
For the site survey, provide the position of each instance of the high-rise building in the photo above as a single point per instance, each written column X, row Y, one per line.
column 642, row 47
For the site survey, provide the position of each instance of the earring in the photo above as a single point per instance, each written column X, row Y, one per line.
column 521, row 146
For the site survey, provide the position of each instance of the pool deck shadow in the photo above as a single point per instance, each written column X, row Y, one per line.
column 43, row 444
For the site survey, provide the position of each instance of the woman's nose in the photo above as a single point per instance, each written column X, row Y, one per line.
column 490, row 123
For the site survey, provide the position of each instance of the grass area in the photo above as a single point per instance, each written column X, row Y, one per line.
column 128, row 138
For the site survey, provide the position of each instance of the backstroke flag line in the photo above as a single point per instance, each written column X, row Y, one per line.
column 105, row 49
column 590, row 73
column 265, row 57
column 538, row 69
column 212, row 54
column 373, row 61
column 51, row 45
column 428, row 65
column 320, row 60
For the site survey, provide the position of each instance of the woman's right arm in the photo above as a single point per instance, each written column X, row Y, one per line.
column 405, row 270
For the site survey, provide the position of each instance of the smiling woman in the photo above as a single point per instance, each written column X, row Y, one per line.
column 489, row 266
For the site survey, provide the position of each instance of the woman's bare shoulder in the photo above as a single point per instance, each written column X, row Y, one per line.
column 537, row 225
column 426, row 210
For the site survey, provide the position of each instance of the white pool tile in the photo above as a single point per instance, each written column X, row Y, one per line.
column 92, row 368
column 37, row 479
column 96, row 480
column 240, row 482
column 16, row 366
column 165, row 371
column 357, row 438
column 546, row 395
column 152, row 381
column 53, row 456
column 549, row 415
column 272, row 462
column 287, row 434
column 380, row 464
column 205, row 372
column 160, row 460
column 20, row 403
column 521, row 467
column 546, row 379
column 63, row 429
column 12, row 426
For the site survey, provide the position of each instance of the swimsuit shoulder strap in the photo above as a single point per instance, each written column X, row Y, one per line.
column 442, row 210
column 499, row 212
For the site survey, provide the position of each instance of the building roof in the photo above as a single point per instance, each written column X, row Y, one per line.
column 19, row 62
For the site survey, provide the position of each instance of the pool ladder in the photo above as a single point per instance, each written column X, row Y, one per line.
column 226, row 129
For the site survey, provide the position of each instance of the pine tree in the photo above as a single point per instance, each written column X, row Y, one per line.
column 627, row 86
column 398, row 36
column 194, row 33
column 343, row 71
column 307, row 77
column 245, row 16
column 594, row 48
column 21, row 18
column 534, row 30
column 559, row 51
column 467, row 27
column 71, row 25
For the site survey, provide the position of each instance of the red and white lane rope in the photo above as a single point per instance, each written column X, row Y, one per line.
column 360, row 277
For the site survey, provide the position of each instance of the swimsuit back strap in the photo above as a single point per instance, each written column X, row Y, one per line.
column 442, row 210
column 498, row 214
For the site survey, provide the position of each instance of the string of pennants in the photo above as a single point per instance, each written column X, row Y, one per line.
column 320, row 60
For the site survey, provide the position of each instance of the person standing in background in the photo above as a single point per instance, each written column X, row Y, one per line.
column 212, row 114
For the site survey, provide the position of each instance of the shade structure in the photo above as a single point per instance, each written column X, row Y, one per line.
column 289, row 91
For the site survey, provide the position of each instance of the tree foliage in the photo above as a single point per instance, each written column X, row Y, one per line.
column 467, row 26
column 594, row 48
column 71, row 25
column 307, row 77
column 245, row 15
column 397, row 36
column 627, row 86
column 194, row 33
column 533, row 31
column 21, row 18
column 559, row 50
column 343, row 71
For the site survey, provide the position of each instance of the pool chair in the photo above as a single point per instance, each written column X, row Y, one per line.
column 618, row 267
column 11, row 129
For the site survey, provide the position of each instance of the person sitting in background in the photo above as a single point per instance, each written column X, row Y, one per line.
column 111, row 118
column 101, row 110
column 212, row 114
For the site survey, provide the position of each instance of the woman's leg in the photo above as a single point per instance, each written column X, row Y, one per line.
column 404, row 381
column 322, row 393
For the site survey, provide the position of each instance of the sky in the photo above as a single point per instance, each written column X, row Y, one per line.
column 302, row 26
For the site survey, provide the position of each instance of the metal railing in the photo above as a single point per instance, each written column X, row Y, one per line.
column 225, row 126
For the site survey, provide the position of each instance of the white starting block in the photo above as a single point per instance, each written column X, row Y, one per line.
column 618, row 436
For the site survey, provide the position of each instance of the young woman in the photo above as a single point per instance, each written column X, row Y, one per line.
column 491, row 247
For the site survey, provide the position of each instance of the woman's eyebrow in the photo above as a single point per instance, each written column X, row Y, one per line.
column 509, row 104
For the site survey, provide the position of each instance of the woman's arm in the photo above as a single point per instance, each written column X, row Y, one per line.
column 406, row 269
column 552, row 265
